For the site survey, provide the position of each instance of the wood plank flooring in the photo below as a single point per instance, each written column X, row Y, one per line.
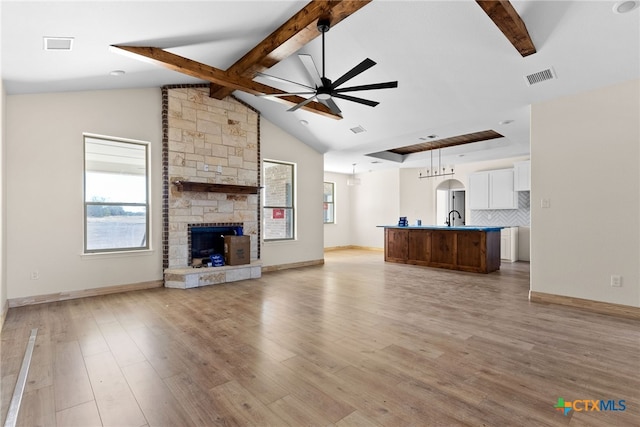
column 353, row 342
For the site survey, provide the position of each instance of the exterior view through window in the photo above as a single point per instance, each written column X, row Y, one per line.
column 278, row 200
column 116, row 202
column 329, row 203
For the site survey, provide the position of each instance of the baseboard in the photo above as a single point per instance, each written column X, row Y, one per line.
column 63, row 296
column 270, row 268
column 3, row 315
column 364, row 248
column 611, row 309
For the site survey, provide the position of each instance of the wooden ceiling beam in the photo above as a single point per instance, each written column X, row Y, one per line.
column 299, row 30
column 510, row 23
column 214, row 75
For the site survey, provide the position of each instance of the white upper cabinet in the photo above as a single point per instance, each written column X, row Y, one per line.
column 479, row 190
column 492, row 190
column 523, row 175
column 501, row 191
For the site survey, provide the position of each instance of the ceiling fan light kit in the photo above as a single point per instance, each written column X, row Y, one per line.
column 323, row 89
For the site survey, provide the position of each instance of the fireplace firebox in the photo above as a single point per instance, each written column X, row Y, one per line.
column 207, row 240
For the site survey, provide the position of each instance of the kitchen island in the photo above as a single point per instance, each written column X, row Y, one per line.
column 467, row 248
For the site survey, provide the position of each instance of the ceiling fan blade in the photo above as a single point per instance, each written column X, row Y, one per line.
column 361, row 67
column 310, row 66
column 275, row 95
column 358, row 100
column 280, row 79
column 302, row 104
column 386, row 85
column 332, row 105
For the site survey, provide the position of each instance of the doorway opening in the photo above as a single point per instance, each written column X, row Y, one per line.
column 450, row 196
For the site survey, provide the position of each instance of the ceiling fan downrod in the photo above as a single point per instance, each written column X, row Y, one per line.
column 323, row 26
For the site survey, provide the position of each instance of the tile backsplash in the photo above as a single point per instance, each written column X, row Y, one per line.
column 506, row 217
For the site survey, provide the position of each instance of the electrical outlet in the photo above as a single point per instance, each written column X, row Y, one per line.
column 206, row 168
column 545, row 203
column 35, row 275
column 219, row 169
column 616, row 280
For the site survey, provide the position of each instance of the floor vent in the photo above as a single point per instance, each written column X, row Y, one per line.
column 540, row 76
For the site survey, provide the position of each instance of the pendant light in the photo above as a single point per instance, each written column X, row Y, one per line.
column 353, row 180
column 434, row 172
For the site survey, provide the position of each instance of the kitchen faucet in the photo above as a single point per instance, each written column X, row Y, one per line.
column 449, row 219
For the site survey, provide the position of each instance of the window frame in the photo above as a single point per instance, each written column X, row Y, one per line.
column 292, row 208
column 146, row 205
column 333, row 203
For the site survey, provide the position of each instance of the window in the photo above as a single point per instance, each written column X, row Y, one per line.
column 116, row 202
column 329, row 203
column 278, row 200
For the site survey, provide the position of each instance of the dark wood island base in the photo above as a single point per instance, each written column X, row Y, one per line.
column 474, row 249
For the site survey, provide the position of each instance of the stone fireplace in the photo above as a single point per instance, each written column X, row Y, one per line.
column 213, row 146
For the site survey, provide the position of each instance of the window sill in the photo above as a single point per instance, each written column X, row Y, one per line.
column 280, row 242
column 118, row 254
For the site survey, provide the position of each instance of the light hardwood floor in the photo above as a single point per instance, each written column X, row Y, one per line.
column 353, row 342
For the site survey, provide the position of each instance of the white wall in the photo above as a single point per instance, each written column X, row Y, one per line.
column 585, row 158
column 339, row 233
column 418, row 196
column 45, row 188
column 275, row 144
column 375, row 202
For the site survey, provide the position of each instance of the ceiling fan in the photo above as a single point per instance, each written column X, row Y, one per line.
column 324, row 90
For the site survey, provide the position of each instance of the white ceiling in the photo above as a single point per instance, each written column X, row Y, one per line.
column 457, row 72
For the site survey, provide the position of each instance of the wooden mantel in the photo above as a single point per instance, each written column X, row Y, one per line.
column 207, row 187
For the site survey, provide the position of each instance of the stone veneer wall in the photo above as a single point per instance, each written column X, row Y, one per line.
column 225, row 136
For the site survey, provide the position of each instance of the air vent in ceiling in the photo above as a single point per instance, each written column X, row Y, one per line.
column 358, row 129
column 58, row 43
column 540, row 76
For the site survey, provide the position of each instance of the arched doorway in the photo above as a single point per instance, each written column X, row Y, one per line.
column 450, row 195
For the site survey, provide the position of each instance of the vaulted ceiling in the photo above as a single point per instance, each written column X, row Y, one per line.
column 457, row 72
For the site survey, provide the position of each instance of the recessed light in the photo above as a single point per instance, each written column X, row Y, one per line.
column 304, row 122
column 505, row 122
column 117, row 73
column 625, row 6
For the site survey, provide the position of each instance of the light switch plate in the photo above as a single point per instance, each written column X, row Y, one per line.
column 616, row 280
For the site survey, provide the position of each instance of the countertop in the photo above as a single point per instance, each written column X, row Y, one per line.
column 444, row 227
